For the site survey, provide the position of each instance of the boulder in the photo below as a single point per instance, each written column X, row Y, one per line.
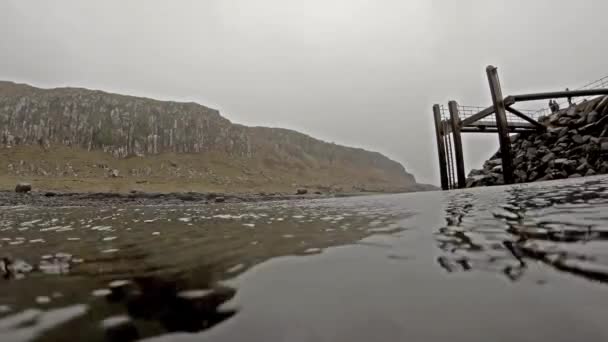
column 592, row 117
column 301, row 191
column 220, row 199
column 548, row 157
column 578, row 139
column 531, row 152
column 114, row 173
column 23, row 188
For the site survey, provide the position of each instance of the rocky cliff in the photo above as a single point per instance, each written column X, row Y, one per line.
column 575, row 144
column 127, row 127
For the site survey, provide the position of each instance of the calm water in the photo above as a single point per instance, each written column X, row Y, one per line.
column 523, row 263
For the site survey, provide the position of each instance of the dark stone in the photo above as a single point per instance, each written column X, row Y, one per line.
column 590, row 172
column 571, row 111
column 564, row 121
column 578, row 123
column 120, row 328
column 575, row 175
column 582, row 167
column 50, row 194
column 220, row 199
column 301, row 191
column 531, row 152
column 518, row 160
column 562, row 139
column 521, row 175
column 604, row 146
column 547, row 158
column 533, row 176
column 592, row 117
column 23, row 188
column 578, row 139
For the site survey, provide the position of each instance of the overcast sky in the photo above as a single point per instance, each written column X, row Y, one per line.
column 359, row 73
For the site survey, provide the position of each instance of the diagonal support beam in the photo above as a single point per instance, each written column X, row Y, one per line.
column 501, row 124
column 473, row 118
column 527, row 118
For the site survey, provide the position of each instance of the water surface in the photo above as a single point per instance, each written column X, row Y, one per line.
column 520, row 263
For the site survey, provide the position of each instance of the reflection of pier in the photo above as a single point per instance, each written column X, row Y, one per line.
column 506, row 120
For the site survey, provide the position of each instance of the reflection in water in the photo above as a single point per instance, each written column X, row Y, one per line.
column 147, row 271
column 562, row 225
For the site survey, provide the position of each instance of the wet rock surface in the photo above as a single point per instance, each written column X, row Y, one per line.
column 339, row 269
column 575, row 144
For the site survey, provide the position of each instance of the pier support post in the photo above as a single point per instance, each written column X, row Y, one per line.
column 439, row 132
column 455, row 119
column 501, row 124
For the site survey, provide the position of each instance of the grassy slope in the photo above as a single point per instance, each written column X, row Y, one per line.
column 76, row 169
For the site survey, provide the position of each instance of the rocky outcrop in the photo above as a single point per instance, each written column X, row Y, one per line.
column 575, row 144
column 127, row 126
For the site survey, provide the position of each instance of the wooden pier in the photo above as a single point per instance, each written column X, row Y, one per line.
column 500, row 118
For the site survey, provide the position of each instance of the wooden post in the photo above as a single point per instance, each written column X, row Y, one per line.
column 455, row 119
column 448, row 154
column 440, row 147
column 501, row 124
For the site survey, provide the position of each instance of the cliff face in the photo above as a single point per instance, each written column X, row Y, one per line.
column 574, row 145
column 126, row 126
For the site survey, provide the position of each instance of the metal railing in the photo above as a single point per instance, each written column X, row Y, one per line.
column 467, row 111
column 601, row 83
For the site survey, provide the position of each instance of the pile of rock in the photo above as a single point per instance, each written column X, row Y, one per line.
column 575, row 144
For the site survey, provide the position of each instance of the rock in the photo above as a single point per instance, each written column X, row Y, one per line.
column 575, row 175
column 592, row 117
column 577, row 139
column 604, row 146
column 220, row 199
column 50, row 194
column 586, row 139
column 497, row 169
column 521, row 175
column 114, row 173
column 582, row 167
column 571, row 111
column 578, row 123
column 519, row 159
column 318, row 193
column 301, row 191
column 547, row 158
column 531, row 152
column 120, row 328
column 590, row 172
column 23, row 188
column 564, row 121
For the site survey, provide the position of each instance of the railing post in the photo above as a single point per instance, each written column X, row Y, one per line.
column 455, row 119
column 440, row 147
column 501, row 124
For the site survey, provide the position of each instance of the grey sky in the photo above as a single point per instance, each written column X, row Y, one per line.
column 360, row 73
